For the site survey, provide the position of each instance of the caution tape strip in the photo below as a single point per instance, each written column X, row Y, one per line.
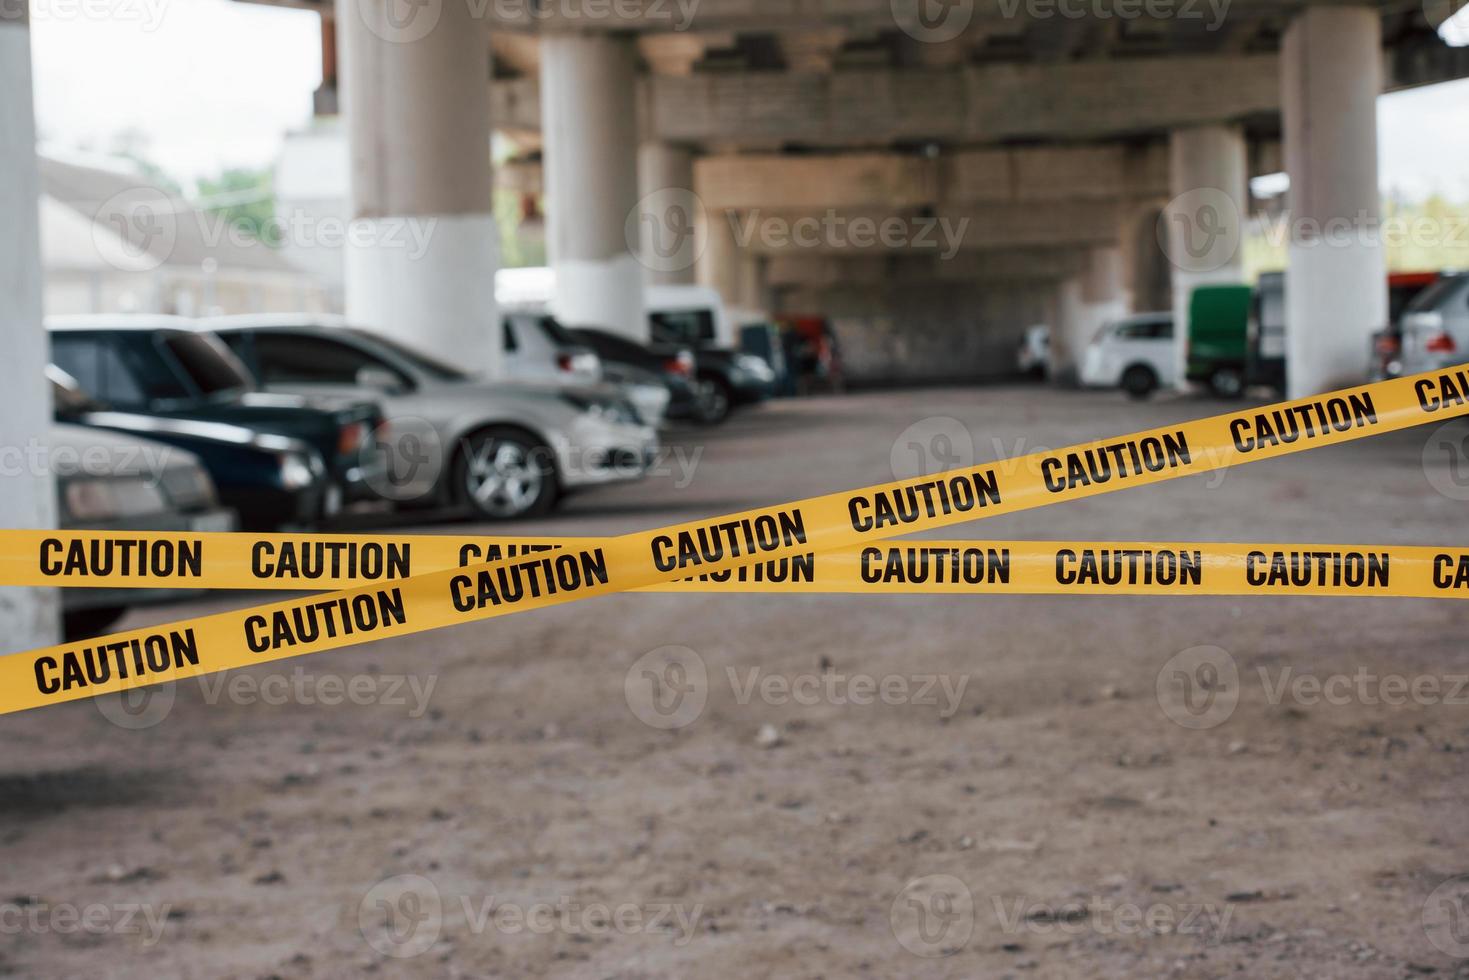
column 332, row 561
column 632, row 561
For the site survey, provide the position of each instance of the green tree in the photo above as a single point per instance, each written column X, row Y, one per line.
column 244, row 197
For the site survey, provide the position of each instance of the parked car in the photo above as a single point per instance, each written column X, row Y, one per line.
column 272, row 482
column 761, row 337
column 1134, row 353
column 164, row 366
column 1033, row 359
column 1435, row 326
column 1219, row 350
column 1387, row 343
column 672, row 366
column 109, row 482
column 537, row 347
column 812, row 354
column 503, row 449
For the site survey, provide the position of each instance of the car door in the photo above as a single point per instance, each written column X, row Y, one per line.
column 1157, row 338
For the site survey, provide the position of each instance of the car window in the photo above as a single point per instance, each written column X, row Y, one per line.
column 512, row 343
column 212, row 369
column 289, row 358
column 435, row 369
column 552, row 328
column 80, row 358
column 115, row 370
column 684, row 326
column 1432, row 297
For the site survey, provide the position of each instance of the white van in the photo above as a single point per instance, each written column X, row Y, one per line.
column 693, row 315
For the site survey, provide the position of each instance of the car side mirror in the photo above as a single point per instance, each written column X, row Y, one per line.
column 378, row 379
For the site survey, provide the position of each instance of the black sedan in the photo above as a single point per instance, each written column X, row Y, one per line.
column 672, row 364
column 161, row 367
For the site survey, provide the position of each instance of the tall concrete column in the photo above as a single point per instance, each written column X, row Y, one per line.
column 669, row 213
column 1067, row 330
column 1204, row 222
column 1102, row 291
column 28, row 617
column 1335, row 281
column 726, row 266
column 421, row 258
column 588, row 121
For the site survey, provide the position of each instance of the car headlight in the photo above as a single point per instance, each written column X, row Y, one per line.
column 607, row 409
column 298, row 470
column 110, row 499
column 754, row 366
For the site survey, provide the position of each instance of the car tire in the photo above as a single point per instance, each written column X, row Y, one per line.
column 715, row 401
column 1139, row 381
column 1227, row 382
column 83, row 624
column 503, row 473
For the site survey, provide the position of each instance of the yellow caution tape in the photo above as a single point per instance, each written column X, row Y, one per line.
column 819, row 524
column 331, row 561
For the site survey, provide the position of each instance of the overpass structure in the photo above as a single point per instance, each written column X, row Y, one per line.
column 934, row 173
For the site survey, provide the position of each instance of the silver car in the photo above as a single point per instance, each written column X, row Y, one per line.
column 1435, row 327
column 505, row 449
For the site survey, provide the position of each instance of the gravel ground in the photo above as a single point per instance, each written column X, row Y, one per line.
column 852, row 786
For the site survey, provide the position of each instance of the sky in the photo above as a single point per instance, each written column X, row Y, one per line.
column 216, row 83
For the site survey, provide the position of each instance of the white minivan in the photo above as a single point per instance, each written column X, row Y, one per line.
column 1134, row 353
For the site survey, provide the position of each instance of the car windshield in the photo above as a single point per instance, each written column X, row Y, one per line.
column 437, row 370
column 556, row 331
column 211, row 369
column 1433, row 295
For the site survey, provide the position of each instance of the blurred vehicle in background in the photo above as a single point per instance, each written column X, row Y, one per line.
column 118, row 484
column 1387, row 344
column 760, row 337
column 695, row 316
column 1134, row 353
column 537, row 347
column 502, row 449
column 163, row 366
column 671, row 365
column 272, row 482
column 1219, row 350
column 1434, row 327
column 1033, row 358
column 812, row 355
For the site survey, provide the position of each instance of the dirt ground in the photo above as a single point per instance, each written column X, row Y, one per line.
column 855, row 786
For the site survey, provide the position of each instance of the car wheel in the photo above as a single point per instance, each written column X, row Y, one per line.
column 83, row 624
column 504, row 473
column 715, row 401
column 1227, row 382
column 1139, row 381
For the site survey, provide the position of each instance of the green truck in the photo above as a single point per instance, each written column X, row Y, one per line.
column 1236, row 336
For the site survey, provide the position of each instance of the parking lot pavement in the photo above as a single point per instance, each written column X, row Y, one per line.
column 830, row 754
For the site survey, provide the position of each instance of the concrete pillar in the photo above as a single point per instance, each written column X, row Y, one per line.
column 1067, row 330
column 736, row 272
column 588, row 113
column 1204, row 222
column 420, row 261
column 1102, row 290
column 28, row 617
column 668, row 213
column 1335, row 281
